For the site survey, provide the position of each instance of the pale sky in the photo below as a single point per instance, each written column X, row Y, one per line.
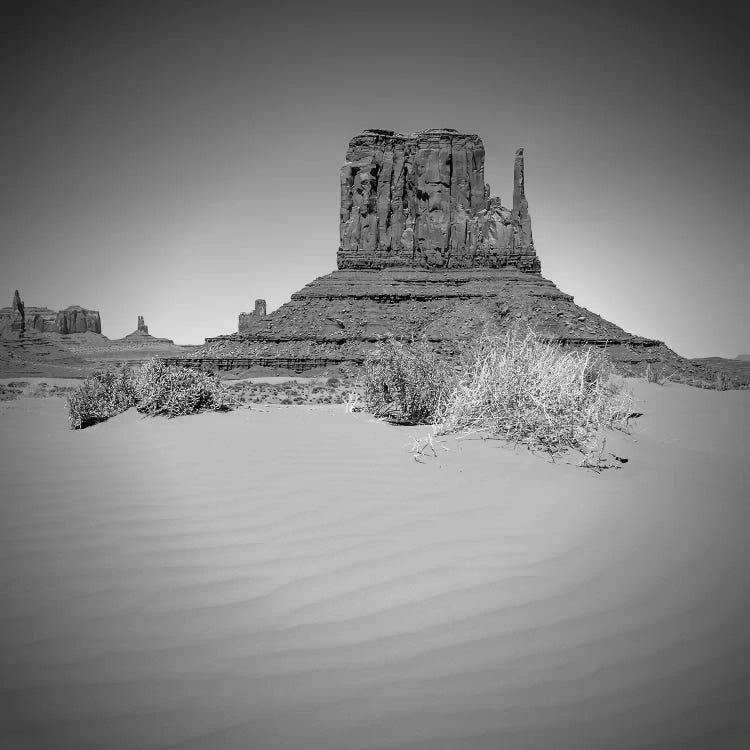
column 177, row 160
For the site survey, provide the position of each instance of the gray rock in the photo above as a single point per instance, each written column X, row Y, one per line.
column 420, row 200
column 77, row 319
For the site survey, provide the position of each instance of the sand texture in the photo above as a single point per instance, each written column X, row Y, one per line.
column 292, row 579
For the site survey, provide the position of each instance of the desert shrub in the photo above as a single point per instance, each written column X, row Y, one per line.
column 101, row 396
column 657, row 375
column 333, row 382
column 529, row 391
column 154, row 388
column 406, row 382
column 176, row 391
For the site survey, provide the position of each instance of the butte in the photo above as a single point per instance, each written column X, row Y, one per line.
column 425, row 252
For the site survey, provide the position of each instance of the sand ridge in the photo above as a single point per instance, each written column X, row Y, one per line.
column 292, row 578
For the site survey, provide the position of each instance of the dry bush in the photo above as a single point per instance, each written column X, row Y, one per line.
column 526, row 390
column 517, row 387
column 101, row 396
column 177, row 391
column 406, row 383
column 656, row 375
column 155, row 388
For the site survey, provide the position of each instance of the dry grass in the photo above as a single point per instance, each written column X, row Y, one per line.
column 154, row 388
column 516, row 387
column 177, row 391
column 101, row 396
column 539, row 394
column 406, row 383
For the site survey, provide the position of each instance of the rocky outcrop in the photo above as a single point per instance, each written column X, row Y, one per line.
column 142, row 337
column 420, row 200
column 77, row 319
column 19, row 312
column 74, row 319
column 341, row 317
column 249, row 322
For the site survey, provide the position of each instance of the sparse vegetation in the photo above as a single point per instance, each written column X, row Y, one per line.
column 516, row 387
column 103, row 395
column 154, row 388
column 408, row 383
column 177, row 391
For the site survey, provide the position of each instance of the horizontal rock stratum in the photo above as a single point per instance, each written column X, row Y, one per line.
column 424, row 252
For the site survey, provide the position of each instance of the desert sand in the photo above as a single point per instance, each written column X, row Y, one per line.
column 291, row 578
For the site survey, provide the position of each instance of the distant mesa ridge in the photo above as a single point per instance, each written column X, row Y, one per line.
column 73, row 319
column 425, row 251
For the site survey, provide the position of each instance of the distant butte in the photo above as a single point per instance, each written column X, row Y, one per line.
column 73, row 319
column 425, row 251
column 142, row 336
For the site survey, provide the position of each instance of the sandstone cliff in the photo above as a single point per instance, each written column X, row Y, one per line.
column 74, row 319
column 420, row 200
column 77, row 319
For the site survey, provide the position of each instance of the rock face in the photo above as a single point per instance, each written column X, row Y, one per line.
column 249, row 321
column 420, row 200
column 424, row 252
column 74, row 319
column 19, row 312
column 142, row 327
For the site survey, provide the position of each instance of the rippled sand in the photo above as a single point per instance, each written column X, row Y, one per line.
column 293, row 579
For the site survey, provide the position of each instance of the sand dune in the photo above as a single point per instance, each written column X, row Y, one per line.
column 293, row 579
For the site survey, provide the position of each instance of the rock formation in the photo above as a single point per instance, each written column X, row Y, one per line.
column 420, row 200
column 424, row 252
column 77, row 319
column 248, row 321
column 74, row 319
column 19, row 311
column 142, row 337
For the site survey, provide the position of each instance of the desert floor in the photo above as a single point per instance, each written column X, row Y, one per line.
column 291, row 578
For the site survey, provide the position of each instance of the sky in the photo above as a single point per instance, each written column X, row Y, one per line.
column 178, row 160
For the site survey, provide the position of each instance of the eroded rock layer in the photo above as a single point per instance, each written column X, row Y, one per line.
column 339, row 318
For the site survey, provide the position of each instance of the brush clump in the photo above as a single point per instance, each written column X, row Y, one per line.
column 406, row 383
column 177, row 391
column 153, row 388
column 518, row 387
column 102, row 395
